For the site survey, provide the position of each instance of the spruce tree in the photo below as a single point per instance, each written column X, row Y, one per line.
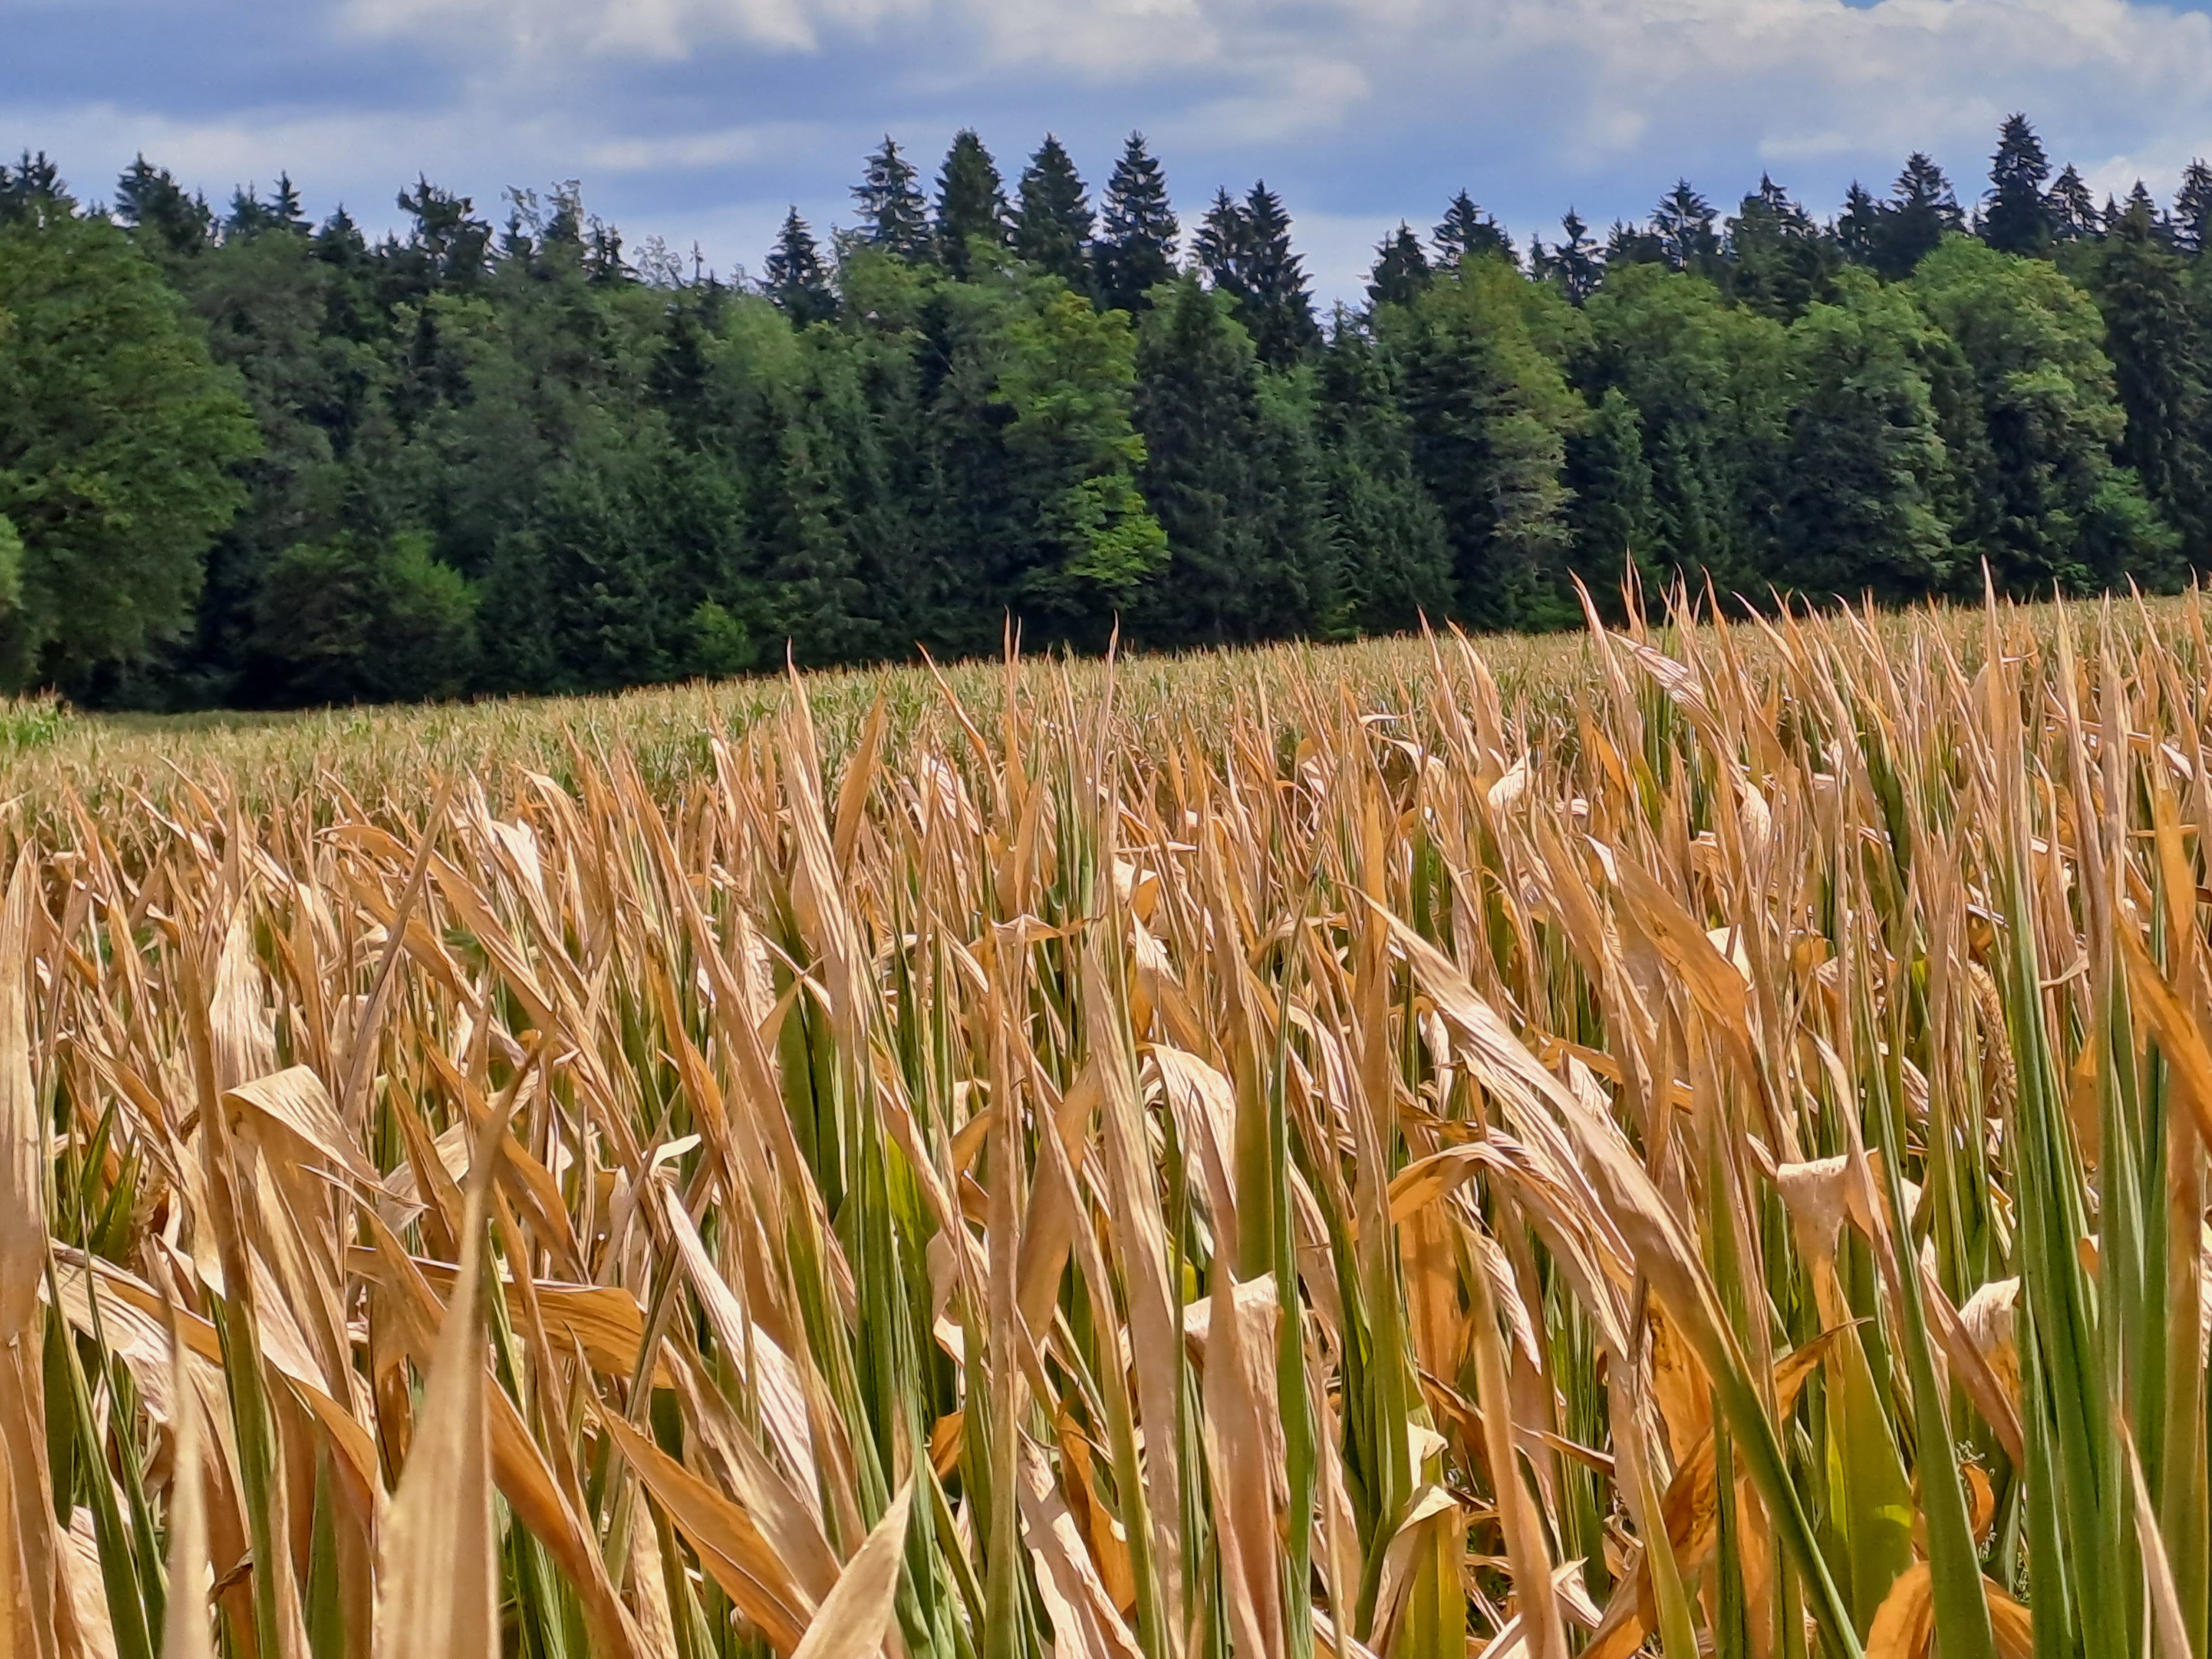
column 2018, row 220
column 1281, row 310
column 2157, row 343
column 2073, row 210
column 1922, row 213
column 893, row 216
column 1468, row 231
column 1401, row 270
column 1859, row 227
column 1136, row 249
column 1779, row 262
column 1683, row 225
column 971, row 203
column 1053, row 229
column 796, row 279
column 1574, row 265
column 161, row 217
column 2192, row 208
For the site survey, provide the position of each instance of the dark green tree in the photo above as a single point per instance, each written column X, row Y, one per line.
column 2156, row 339
column 1867, row 478
column 795, row 277
column 1053, row 229
column 359, row 619
column 1921, row 213
column 2073, row 210
column 971, row 204
column 1401, row 270
column 1683, row 223
column 1488, row 412
column 2045, row 506
column 1574, row 265
column 163, row 217
column 893, row 216
column 1231, row 473
column 1778, row 260
column 2018, row 220
column 1859, row 226
column 1244, row 248
column 117, row 441
column 1136, row 249
column 1609, row 513
column 2192, row 208
column 1393, row 558
column 1466, row 230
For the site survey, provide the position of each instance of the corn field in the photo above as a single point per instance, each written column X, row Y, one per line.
column 1713, row 1162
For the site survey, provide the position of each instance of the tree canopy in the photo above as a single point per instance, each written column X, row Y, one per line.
column 250, row 458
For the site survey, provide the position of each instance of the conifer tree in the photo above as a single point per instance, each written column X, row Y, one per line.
column 2192, row 208
column 892, row 215
column 796, row 279
column 1859, row 227
column 1136, row 249
column 2019, row 220
column 1683, row 225
column 2142, row 205
column 1401, row 270
column 2073, row 210
column 1244, row 248
column 1779, row 262
column 1922, row 211
column 1574, row 265
column 972, row 203
column 1053, row 229
column 151, row 203
column 2158, row 350
column 1467, row 230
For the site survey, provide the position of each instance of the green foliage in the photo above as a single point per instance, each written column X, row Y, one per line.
column 965, row 413
column 357, row 619
column 1489, row 411
column 117, row 436
column 2047, row 508
column 1866, row 477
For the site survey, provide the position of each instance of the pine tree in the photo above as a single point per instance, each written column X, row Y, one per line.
column 1683, row 223
column 1136, row 251
column 893, row 216
column 2073, row 210
column 971, row 203
column 150, row 201
column 1401, row 270
column 1573, row 265
column 1223, row 247
column 1053, row 229
column 2192, row 208
column 1467, row 231
column 2019, row 220
column 796, row 279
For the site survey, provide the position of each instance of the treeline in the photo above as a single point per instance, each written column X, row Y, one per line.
column 247, row 459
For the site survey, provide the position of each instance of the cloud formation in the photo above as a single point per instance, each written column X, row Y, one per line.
column 700, row 118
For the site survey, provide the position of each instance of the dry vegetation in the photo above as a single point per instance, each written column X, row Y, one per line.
column 1700, row 1149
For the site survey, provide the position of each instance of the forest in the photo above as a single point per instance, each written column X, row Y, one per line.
column 248, row 459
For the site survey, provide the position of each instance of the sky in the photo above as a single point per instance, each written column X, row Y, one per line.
column 699, row 121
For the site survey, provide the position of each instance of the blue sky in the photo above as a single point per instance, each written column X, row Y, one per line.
column 698, row 121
